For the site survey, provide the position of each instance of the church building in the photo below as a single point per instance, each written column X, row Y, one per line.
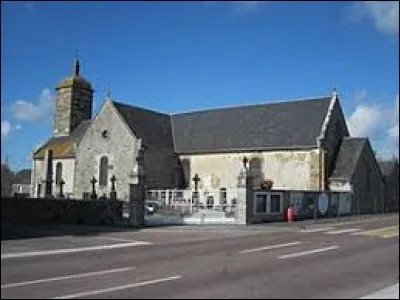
column 296, row 144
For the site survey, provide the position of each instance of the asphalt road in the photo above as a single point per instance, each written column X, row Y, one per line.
column 346, row 260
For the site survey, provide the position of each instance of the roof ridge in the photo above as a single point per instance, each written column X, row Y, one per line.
column 139, row 107
column 278, row 102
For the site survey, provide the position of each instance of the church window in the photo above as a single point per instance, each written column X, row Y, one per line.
column 261, row 203
column 255, row 167
column 185, row 163
column 58, row 172
column 103, row 176
column 276, row 205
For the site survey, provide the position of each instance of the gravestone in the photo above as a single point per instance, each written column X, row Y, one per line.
column 93, row 195
column 113, row 193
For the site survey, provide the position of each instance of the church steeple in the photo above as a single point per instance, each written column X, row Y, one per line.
column 74, row 102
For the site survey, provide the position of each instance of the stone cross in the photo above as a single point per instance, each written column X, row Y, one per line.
column 61, row 184
column 196, row 180
column 113, row 179
column 113, row 193
column 93, row 182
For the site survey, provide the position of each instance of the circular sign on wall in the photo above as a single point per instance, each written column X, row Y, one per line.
column 323, row 203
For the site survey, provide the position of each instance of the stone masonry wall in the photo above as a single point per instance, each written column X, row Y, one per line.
column 368, row 184
column 120, row 146
column 294, row 169
column 70, row 211
column 335, row 132
column 392, row 191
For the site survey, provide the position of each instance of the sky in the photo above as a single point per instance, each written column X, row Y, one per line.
column 182, row 56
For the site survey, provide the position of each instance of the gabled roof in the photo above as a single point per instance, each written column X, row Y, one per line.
column 63, row 146
column 153, row 127
column 387, row 167
column 256, row 127
column 348, row 156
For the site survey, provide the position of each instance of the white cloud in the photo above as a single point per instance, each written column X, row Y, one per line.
column 5, row 128
column 393, row 131
column 360, row 96
column 384, row 14
column 379, row 124
column 365, row 120
column 29, row 111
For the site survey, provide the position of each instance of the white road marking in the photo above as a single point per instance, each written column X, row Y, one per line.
column 308, row 252
column 71, row 250
column 118, row 288
column 390, row 292
column 340, row 231
column 111, row 238
column 73, row 276
column 315, row 229
column 270, row 247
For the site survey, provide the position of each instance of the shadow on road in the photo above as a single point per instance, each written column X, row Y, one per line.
column 11, row 231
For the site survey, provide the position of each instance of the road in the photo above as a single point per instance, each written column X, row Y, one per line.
column 344, row 260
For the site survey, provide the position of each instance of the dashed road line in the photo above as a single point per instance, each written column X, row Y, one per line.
column 66, row 277
column 308, row 252
column 270, row 247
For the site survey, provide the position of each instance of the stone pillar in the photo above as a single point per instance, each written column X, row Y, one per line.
column 245, row 203
column 137, row 195
column 48, row 173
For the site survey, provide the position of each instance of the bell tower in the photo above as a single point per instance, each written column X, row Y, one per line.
column 74, row 102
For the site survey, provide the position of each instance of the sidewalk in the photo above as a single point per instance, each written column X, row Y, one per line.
column 390, row 292
column 331, row 221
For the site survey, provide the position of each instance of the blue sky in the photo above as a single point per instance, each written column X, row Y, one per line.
column 182, row 56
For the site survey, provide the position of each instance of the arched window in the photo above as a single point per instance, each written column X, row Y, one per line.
column 58, row 172
column 255, row 169
column 185, row 163
column 103, row 176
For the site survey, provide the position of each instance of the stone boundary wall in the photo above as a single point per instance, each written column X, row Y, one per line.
column 66, row 211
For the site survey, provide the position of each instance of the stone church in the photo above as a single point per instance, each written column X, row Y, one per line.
column 296, row 144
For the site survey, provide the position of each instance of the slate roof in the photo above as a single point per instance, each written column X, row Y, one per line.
column 256, row 127
column 284, row 125
column 153, row 127
column 348, row 156
column 63, row 146
column 387, row 167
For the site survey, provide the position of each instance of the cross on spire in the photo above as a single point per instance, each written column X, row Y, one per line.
column 77, row 64
column 108, row 93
